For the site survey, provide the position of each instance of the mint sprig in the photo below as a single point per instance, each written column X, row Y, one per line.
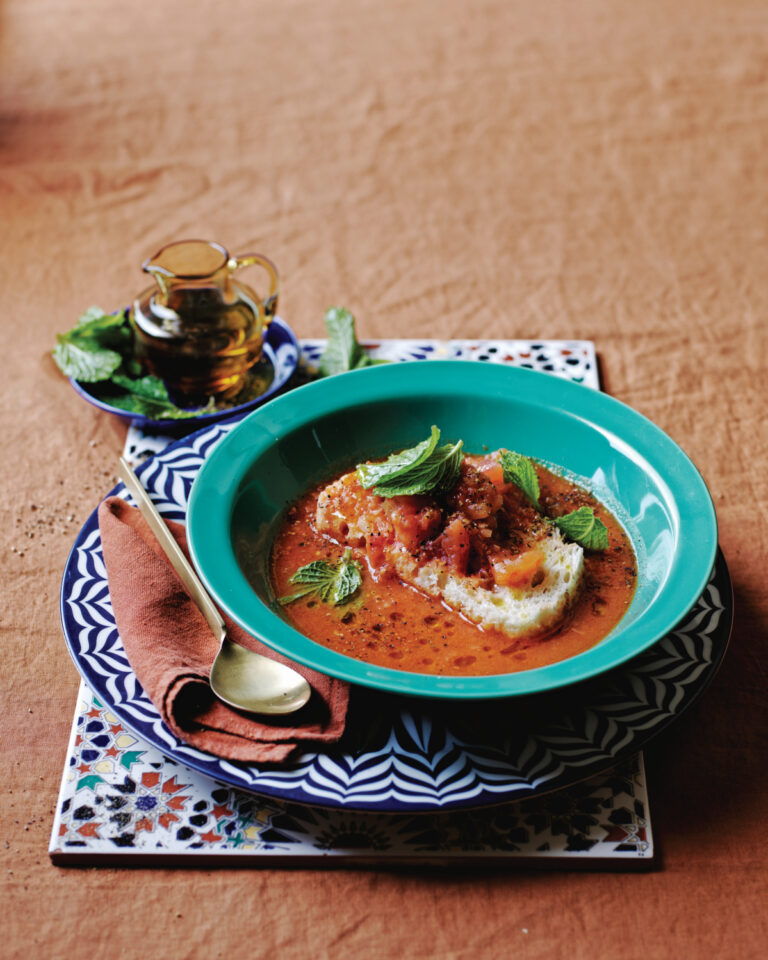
column 425, row 468
column 581, row 526
column 584, row 528
column 342, row 351
column 331, row 583
column 90, row 351
column 149, row 397
column 520, row 471
column 84, row 359
column 95, row 323
column 397, row 464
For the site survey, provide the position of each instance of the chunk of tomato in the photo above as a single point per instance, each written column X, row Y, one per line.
column 414, row 519
column 493, row 471
column 455, row 544
column 518, row 571
column 375, row 545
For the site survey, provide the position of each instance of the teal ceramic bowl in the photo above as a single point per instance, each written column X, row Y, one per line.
column 272, row 456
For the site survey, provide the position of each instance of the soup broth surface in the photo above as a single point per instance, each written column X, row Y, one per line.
column 392, row 624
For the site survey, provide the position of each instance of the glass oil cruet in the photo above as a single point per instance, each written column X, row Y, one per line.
column 200, row 329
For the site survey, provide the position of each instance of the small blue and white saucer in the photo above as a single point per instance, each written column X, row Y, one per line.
column 280, row 356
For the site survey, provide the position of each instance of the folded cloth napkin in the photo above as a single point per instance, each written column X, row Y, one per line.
column 171, row 648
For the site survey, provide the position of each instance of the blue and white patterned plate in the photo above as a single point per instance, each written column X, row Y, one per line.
column 279, row 359
column 405, row 754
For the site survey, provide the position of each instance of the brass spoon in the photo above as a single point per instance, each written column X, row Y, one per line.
column 240, row 677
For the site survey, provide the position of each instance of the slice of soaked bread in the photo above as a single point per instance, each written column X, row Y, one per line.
column 518, row 611
column 353, row 516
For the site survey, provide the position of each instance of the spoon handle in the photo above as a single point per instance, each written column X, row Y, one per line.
column 172, row 550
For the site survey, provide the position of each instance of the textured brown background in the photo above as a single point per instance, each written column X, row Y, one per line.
column 565, row 168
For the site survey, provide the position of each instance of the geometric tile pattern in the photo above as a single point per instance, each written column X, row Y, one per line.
column 121, row 797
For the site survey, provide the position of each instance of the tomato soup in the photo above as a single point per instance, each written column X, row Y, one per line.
column 395, row 624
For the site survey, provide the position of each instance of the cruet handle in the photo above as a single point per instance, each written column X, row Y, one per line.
column 256, row 259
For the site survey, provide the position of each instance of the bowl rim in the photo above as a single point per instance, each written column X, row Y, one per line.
column 209, row 519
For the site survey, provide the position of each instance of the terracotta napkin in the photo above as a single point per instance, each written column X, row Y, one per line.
column 171, row 648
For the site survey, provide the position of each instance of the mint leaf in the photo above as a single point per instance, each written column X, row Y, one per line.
column 291, row 597
column 90, row 351
column 92, row 313
column 149, row 387
column 332, row 583
column 347, row 581
column 342, row 352
column 319, row 573
column 581, row 526
column 584, row 528
column 446, row 465
column 370, row 474
column 438, row 473
column 95, row 319
column 132, row 367
column 82, row 358
column 425, row 468
column 521, row 471
column 154, row 409
column 148, row 396
column 109, row 330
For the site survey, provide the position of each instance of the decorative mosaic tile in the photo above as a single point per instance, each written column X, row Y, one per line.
column 121, row 797
column 572, row 359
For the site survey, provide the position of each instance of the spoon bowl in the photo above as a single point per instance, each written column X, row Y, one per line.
column 239, row 677
column 242, row 678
